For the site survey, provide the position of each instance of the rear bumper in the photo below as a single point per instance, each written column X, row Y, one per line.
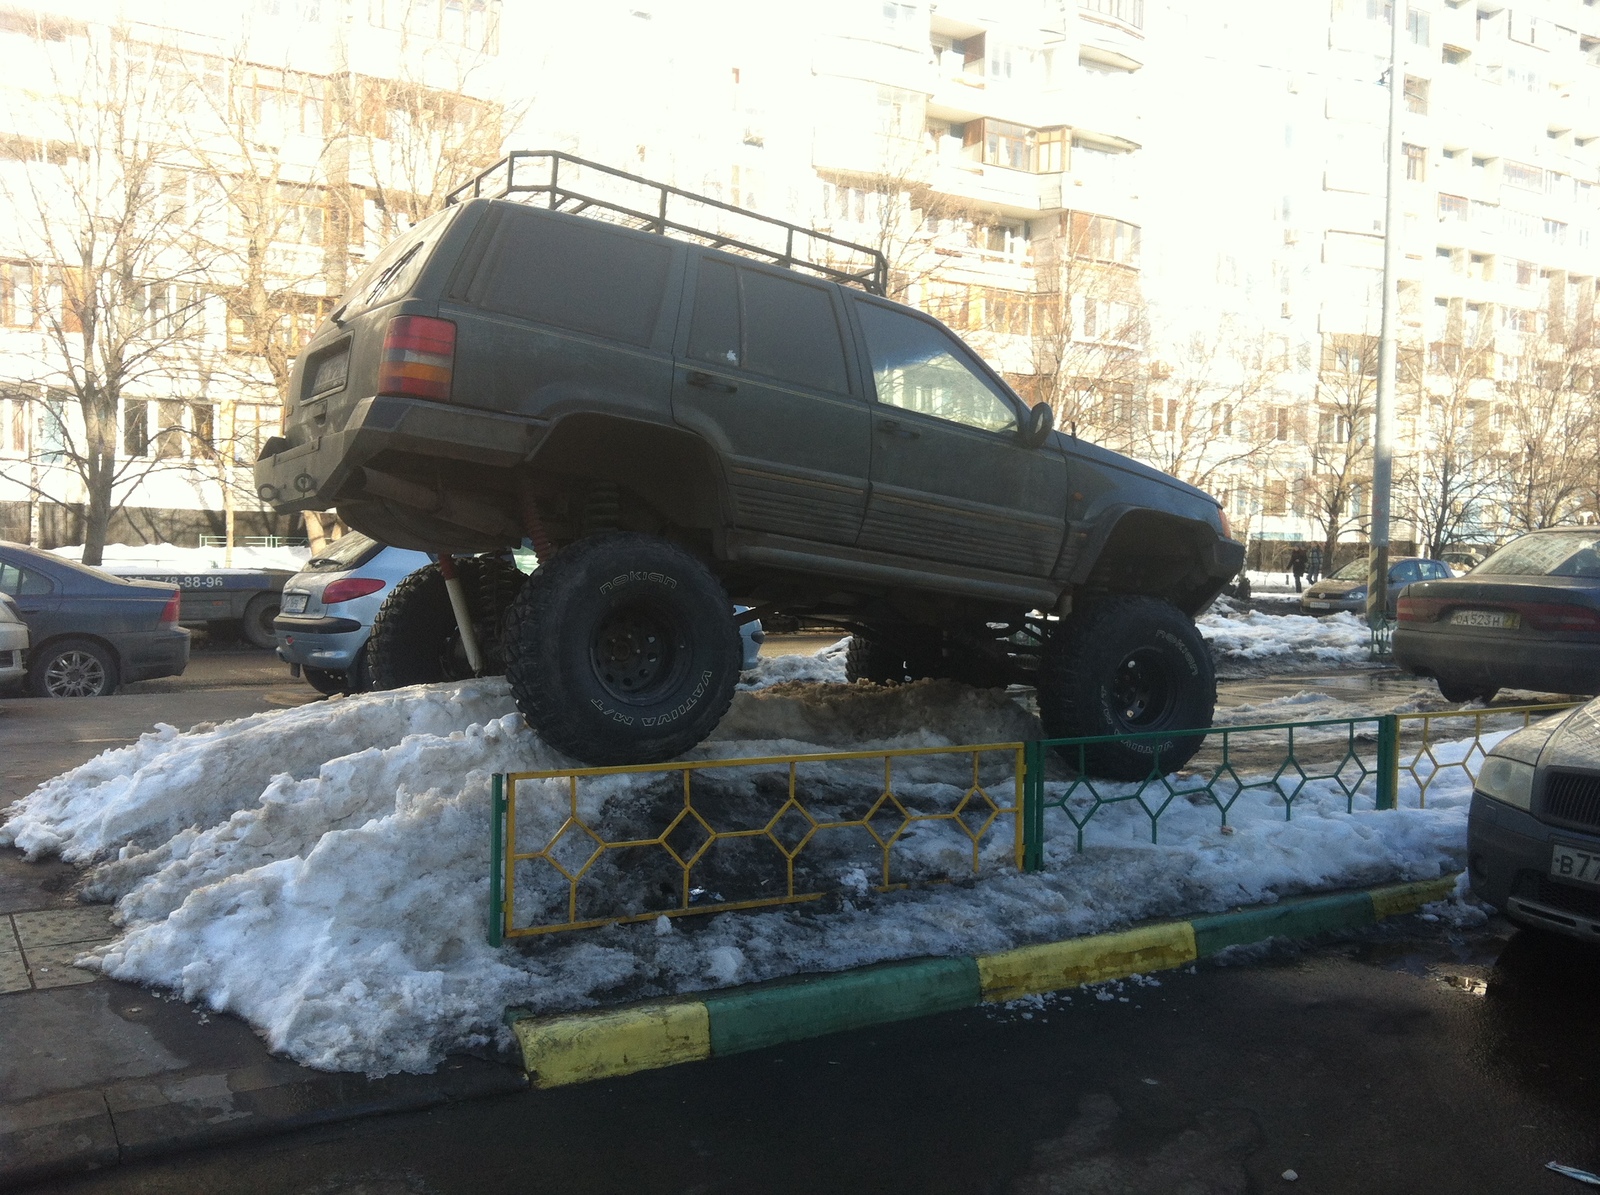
column 153, row 654
column 1512, row 661
column 1508, row 865
column 322, row 472
column 332, row 648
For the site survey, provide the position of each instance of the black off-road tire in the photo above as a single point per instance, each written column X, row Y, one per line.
column 256, row 625
column 326, row 681
column 875, row 660
column 1127, row 665
column 414, row 638
column 621, row 649
column 73, row 668
column 1463, row 691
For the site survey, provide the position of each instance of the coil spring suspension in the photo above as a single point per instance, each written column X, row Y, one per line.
column 602, row 509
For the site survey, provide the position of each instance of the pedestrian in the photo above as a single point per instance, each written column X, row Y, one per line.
column 1313, row 565
column 1297, row 566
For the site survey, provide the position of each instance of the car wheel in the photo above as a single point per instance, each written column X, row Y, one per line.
column 73, row 668
column 324, row 680
column 257, row 621
column 1128, row 666
column 1460, row 691
column 877, row 660
column 414, row 638
column 622, row 649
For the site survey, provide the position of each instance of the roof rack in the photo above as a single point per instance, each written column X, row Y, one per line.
column 571, row 184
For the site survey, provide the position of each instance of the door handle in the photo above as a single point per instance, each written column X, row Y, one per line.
column 706, row 382
column 894, row 428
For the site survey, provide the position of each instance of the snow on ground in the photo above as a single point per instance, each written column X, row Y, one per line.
column 322, row 872
column 169, row 558
column 1247, row 643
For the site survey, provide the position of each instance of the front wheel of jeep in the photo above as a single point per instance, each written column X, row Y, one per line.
column 1126, row 666
column 622, row 649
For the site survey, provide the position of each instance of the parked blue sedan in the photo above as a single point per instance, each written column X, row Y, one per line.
column 89, row 631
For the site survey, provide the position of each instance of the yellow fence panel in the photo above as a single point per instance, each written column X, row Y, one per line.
column 1436, row 739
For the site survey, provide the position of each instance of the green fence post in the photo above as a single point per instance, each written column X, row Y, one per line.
column 497, row 843
column 1388, row 761
column 1031, row 849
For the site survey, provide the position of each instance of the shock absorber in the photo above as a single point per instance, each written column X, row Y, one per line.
column 533, row 525
column 463, row 612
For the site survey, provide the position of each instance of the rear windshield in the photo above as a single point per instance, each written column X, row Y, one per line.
column 396, row 267
column 1547, row 554
column 350, row 550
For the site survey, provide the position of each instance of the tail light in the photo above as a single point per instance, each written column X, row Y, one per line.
column 1416, row 609
column 169, row 612
column 349, row 587
column 1552, row 617
column 419, row 354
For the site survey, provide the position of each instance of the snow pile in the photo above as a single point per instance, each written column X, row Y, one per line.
column 322, row 871
column 169, row 558
column 825, row 667
column 1248, row 643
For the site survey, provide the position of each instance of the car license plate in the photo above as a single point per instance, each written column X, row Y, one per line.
column 1505, row 620
column 1579, row 867
column 1318, row 605
column 293, row 603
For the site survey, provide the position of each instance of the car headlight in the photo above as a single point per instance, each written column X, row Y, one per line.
column 1357, row 595
column 1508, row 780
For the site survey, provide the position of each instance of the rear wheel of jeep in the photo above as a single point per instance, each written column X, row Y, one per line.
column 1128, row 665
column 415, row 640
column 877, row 660
column 622, row 649
column 1461, row 691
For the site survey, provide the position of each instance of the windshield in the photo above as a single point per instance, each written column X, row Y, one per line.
column 396, row 267
column 348, row 551
column 1356, row 570
column 1546, row 554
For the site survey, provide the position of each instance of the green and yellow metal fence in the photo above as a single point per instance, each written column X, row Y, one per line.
column 788, row 810
column 723, row 834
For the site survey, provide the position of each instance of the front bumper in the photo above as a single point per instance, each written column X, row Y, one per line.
column 1514, row 661
column 1508, row 866
column 323, row 471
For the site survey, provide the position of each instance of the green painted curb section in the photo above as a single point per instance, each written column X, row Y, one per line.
column 1287, row 919
column 577, row 1047
column 751, row 1018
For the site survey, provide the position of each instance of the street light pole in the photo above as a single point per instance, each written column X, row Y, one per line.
column 1383, row 432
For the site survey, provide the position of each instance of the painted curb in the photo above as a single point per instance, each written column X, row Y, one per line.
column 577, row 1047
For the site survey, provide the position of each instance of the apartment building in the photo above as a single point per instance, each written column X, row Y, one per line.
column 185, row 191
column 1286, row 166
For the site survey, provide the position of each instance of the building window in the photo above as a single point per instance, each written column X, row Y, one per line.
column 1417, row 26
column 17, row 294
column 996, row 143
column 167, row 310
column 1275, row 499
column 1129, row 12
column 1416, row 95
column 1555, row 231
column 1454, row 207
column 1051, row 146
column 1416, row 162
column 185, row 430
column 1528, row 178
column 1102, row 238
column 474, row 24
column 14, row 423
column 135, row 427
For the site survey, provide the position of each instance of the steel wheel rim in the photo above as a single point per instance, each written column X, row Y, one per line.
column 1141, row 690
column 636, row 653
column 74, row 674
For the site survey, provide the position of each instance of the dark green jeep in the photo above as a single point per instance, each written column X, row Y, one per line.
column 727, row 413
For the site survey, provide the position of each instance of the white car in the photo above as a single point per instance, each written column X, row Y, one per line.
column 13, row 643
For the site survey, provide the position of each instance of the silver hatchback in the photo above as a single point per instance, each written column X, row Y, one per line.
column 327, row 610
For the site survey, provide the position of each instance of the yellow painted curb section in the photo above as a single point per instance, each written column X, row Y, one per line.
column 1408, row 898
column 600, row 1045
column 1055, row 965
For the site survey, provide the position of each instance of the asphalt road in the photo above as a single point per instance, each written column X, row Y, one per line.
column 1407, row 1059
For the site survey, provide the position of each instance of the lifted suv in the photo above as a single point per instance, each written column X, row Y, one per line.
column 680, row 419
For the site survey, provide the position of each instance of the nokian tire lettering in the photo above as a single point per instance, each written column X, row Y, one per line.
column 622, row 649
column 414, row 637
column 1127, row 665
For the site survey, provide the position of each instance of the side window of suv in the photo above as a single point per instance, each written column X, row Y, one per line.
column 21, row 582
column 921, row 368
column 781, row 327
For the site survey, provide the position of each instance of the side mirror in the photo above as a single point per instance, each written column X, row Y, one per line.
column 1037, row 425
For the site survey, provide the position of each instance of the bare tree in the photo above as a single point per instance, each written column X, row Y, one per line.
column 1445, row 485
column 104, row 270
column 1547, row 392
column 1340, row 443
